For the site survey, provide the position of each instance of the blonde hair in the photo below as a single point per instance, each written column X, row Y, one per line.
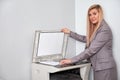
column 91, row 29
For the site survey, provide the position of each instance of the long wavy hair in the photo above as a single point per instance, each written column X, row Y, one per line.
column 91, row 29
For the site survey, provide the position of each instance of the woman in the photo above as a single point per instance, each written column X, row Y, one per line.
column 98, row 45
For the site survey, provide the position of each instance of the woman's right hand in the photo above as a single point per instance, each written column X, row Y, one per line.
column 65, row 30
column 65, row 61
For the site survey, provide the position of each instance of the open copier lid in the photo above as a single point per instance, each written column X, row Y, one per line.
column 49, row 45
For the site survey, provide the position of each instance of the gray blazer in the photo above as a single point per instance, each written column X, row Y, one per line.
column 100, row 50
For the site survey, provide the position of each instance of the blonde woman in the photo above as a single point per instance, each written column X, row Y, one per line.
column 98, row 45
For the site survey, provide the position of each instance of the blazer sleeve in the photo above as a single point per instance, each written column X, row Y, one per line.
column 97, row 43
column 78, row 37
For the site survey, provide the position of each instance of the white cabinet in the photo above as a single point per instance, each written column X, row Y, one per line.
column 41, row 71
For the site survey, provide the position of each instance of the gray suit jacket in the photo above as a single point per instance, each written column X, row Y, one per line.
column 100, row 50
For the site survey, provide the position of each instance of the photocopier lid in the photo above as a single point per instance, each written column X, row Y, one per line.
column 49, row 45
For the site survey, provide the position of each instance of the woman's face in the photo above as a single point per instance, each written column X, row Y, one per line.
column 94, row 16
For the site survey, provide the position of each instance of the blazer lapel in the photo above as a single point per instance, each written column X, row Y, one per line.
column 98, row 29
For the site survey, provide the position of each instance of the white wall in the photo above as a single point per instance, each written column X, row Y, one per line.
column 18, row 21
column 112, row 16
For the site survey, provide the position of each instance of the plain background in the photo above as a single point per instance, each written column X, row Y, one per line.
column 20, row 18
column 18, row 21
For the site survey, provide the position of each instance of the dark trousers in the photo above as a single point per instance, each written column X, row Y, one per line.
column 73, row 74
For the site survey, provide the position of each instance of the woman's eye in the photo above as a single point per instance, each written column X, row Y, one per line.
column 94, row 13
column 89, row 14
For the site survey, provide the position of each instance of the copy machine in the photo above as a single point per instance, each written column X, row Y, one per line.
column 49, row 48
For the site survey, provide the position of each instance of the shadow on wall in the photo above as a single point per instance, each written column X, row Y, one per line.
column 1, row 75
column 2, row 78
